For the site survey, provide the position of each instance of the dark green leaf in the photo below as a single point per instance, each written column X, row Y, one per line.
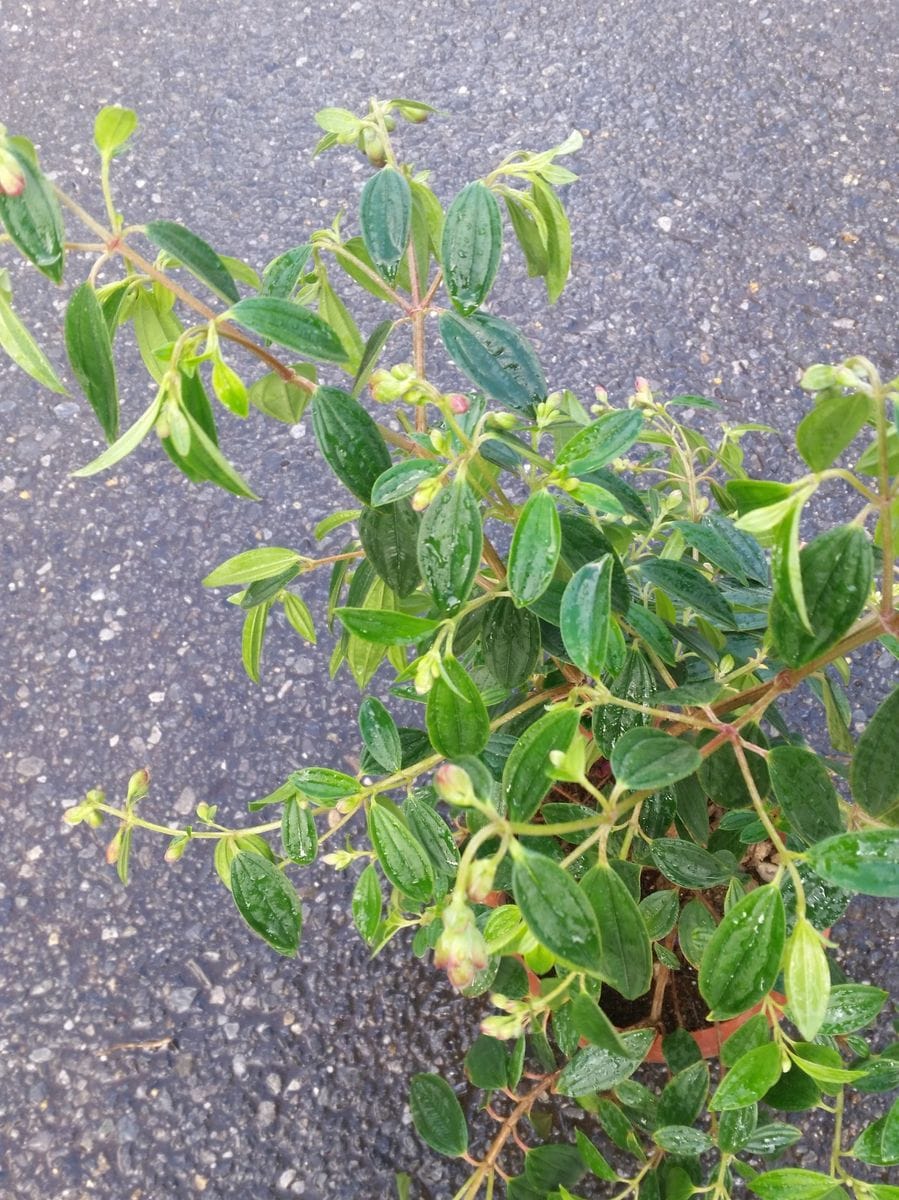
column 403, row 479
column 281, row 276
column 90, row 353
column 686, row 584
column 380, row 734
column 267, row 901
column 596, row 1070
column 688, row 865
column 323, row 785
column 586, row 615
column 367, row 903
column 437, row 1115
column 682, row 1139
column 289, row 325
column 389, row 537
column 851, row 1006
column 496, row 358
column 375, row 343
column 386, row 626
column 583, row 542
column 434, row 834
column 471, row 246
column 349, row 440
column 659, row 911
column 525, row 781
column 721, row 543
column 195, row 254
column 836, row 570
column 593, row 1024
column 625, row 959
column 644, row 759
column 536, row 544
column 684, row 1097
column 456, row 717
column 299, row 837
column 33, row 219
column 805, row 793
column 402, row 857
column 510, row 637
column 866, row 862
column 385, row 217
column 720, row 774
column 875, row 768
column 556, row 911
column 594, row 1161
column 527, row 231
column 743, row 957
column 610, row 436
column 553, row 1166
column 487, row 1063
column 769, row 1140
column 450, row 542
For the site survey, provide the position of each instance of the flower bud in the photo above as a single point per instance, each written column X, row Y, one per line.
column 502, row 420
column 386, row 388
column 114, row 848
column 453, row 785
column 176, row 848
column 504, row 1029
column 138, row 786
column 206, row 812
column 12, row 177
column 426, row 671
column 641, row 384
column 602, row 396
column 425, row 493
column 458, row 402
column 460, row 949
column 373, row 148
column 480, row 879
column 440, row 440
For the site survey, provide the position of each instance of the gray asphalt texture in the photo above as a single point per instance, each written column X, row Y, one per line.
column 735, row 219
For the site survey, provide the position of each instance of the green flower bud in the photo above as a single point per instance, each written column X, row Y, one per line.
column 460, row 949
column 425, row 493
column 138, row 786
column 453, row 785
column 502, row 420
column 176, row 848
column 479, row 884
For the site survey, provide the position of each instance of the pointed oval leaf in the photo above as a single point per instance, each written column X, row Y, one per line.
column 194, row 254
column 525, row 781
column 874, row 774
column 536, row 546
column 323, row 785
column 749, row 1078
column 437, row 1115
column 385, row 626
column 836, row 570
column 380, row 734
column 267, row 901
column 795, row 1184
column 510, row 637
column 804, row 791
column 626, row 956
column 349, row 440
column 367, row 903
column 450, row 541
column 687, row 585
column 688, row 865
column 586, row 615
column 556, row 911
column 90, row 353
column 824, row 433
column 385, row 217
column 806, row 979
column 852, row 1006
column 471, row 246
column 389, row 537
column 456, row 716
column 865, row 862
column 21, row 346
column 299, row 837
column 496, row 358
column 113, row 126
column 595, row 1069
column 607, row 438
column 289, row 325
column 403, row 479
column 402, row 857
column 644, row 759
column 33, row 219
column 434, row 834
column 743, row 957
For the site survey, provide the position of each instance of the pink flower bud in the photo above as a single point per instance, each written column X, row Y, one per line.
column 12, row 178
column 457, row 402
column 453, row 785
column 641, row 384
column 461, row 949
column 480, row 879
column 601, row 394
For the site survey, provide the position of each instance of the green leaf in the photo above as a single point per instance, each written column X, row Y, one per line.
column 130, row 440
column 267, row 901
column 644, row 759
column 659, row 911
column 625, row 958
column 21, row 346
column 806, row 979
column 586, row 615
column 596, row 1070
column 553, row 1166
column 113, row 127
column 558, row 238
column 610, row 436
column 367, row 903
column 496, row 358
column 371, row 352
column 251, row 565
column 869, row 1145
column 282, row 274
column 556, row 911
column 803, row 789
column 299, row 837
column 720, row 774
column 785, row 563
column 684, row 1096
column 487, row 1063
column 770, row 1140
column 593, row 1024
column 403, row 479
column 874, row 774
column 511, row 641
column 525, row 781
column 866, row 862
column 743, row 957
column 749, row 1078
column 385, row 626
column 851, row 1006
column 33, row 219
column 323, row 785
column 349, row 440
column 593, row 1160
column 536, row 546
column 155, row 328
column 210, row 464
column 336, row 315
column 279, row 398
column 528, row 233
column 434, row 834
column 687, row 585
column 385, row 217
column 688, row 865
column 889, row 1143
column 682, row 1139
column 389, row 537
column 836, row 570
column 825, row 432
column 471, row 246
column 450, row 542
column 194, row 254
column 299, row 616
column 793, row 1184
column 253, row 637
column 719, row 541
column 289, row 325
column 456, row 717
column 402, row 857
column 437, row 1115
column 380, row 734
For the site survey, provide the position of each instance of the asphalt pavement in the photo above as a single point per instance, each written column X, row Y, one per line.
column 735, row 219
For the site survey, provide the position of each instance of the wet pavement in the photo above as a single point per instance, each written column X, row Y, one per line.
column 736, row 218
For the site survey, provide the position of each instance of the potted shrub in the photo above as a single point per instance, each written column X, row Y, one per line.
column 600, row 818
